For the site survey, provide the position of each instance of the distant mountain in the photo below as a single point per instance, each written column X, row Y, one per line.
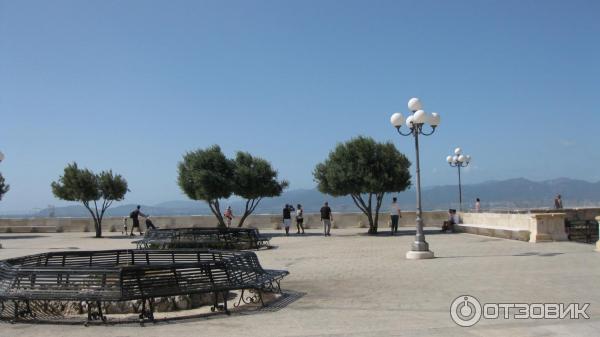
column 506, row 194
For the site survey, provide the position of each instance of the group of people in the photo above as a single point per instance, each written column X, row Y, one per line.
column 326, row 217
column 135, row 221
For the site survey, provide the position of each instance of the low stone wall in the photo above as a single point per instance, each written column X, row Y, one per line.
column 532, row 227
column 261, row 221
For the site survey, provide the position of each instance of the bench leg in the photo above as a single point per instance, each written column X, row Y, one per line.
column 18, row 312
column 147, row 312
column 94, row 315
column 216, row 306
column 254, row 297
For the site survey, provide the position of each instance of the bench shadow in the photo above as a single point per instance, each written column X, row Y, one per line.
column 42, row 318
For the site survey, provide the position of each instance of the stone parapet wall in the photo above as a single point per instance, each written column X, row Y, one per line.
column 261, row 221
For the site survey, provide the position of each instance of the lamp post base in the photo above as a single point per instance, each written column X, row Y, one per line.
column 419, row 255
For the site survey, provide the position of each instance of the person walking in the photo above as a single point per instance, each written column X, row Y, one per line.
column 134, row 215
column 477, row 205
column 558, row 202
column 326, row 218
column 299, row 219
column 228, row 216
column 287, row 219
column 395, row 215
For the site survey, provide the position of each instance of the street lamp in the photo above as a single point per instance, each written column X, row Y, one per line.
column 459, row 160
column 415, row 123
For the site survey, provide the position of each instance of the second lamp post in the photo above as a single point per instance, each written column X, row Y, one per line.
column 459, row 160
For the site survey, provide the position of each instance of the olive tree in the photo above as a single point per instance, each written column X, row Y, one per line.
column 4, row 187
column 254, row 179
column 365, row 170
column 207, row 175
column 97, row 190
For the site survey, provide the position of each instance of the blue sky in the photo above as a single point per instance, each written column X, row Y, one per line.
column 132, row 85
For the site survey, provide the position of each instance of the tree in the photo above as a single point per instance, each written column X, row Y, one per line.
column 3, row 186
column 207, row 175
column 86, row 187
column 364, row 169
column 254, row 179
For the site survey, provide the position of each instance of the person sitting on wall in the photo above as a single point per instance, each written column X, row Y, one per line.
column 448, row 225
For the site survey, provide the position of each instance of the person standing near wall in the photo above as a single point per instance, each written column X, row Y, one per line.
column 477, row 205
column 300, row 219
column 326, row 218
column 287, row 219
column 558, row 204
column 395, row 215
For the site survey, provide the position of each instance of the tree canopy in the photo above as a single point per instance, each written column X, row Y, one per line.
column 83, row 185
column 4, row 187
column 207, row 175
column 365, row 170
column 254, row 179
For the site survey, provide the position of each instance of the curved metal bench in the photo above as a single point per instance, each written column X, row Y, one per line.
column 123, row 275
column 204, row 238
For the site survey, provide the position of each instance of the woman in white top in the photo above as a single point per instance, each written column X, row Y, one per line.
column 300, row 219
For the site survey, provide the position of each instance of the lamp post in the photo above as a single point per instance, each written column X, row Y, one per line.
column 415, row 123
column 459, row 160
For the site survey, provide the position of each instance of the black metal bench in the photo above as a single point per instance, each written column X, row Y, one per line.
column 204, row 238
column 95, row 277
column 585, row 231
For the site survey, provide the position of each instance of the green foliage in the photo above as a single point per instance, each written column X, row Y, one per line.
column 3, row 186
column 84, row 186
column 363, row 169
column 207, row 175
column 255, row 179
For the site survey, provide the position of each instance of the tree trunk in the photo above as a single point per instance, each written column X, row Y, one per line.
column 98, row 225
column 243, row 218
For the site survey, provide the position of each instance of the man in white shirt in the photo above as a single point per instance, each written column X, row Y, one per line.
column 395, row 215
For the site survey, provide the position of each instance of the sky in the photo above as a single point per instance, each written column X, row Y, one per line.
column 132, row 85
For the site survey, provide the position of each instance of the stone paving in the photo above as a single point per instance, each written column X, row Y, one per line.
column 351, row 284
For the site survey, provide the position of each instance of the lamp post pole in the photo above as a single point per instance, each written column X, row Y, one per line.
column 415, row 123
column 459, row 160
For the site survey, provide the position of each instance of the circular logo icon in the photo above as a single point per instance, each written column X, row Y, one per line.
column 465, row 310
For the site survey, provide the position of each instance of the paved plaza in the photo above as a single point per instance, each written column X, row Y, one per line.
column 351, row 284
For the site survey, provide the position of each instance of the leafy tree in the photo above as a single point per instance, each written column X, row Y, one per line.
column 365, row 170
column 3, row 186
column 88, row 188
column 255, row 179
column 207, row 175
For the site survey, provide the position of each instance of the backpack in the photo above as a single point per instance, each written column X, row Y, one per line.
column 132, row 214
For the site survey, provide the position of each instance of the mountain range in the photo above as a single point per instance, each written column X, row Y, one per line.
column 498, row 194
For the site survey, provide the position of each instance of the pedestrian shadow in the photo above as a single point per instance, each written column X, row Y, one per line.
column 525, row 254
